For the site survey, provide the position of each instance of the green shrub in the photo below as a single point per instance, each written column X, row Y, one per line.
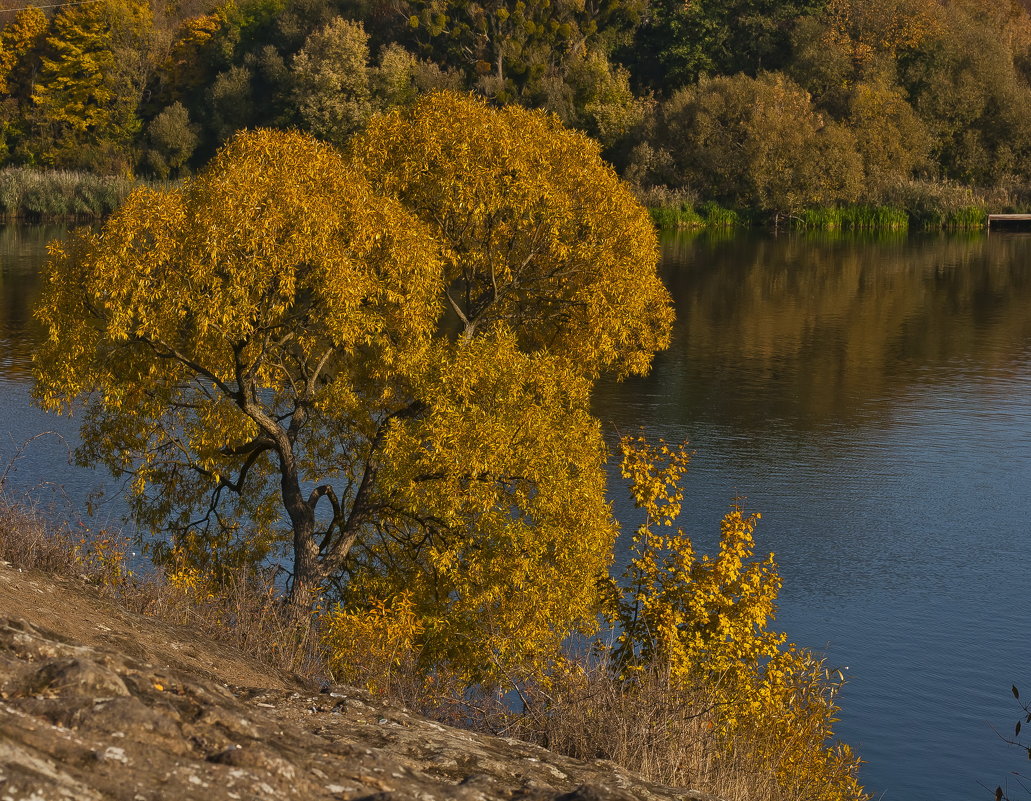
column 758, row 143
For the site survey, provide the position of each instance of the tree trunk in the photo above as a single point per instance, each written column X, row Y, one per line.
column 307, row 572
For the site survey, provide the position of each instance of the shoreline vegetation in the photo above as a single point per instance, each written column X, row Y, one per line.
column 31, row 195
column 915, row 206
column 38, row 196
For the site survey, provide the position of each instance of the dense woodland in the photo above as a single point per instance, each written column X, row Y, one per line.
column 763, row 105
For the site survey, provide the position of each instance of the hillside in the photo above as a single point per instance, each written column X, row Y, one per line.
column 99, row 703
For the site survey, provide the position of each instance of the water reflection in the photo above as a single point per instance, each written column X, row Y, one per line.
column 872, row 398
column 805, row 332
column 42, row 473
column 22, row 249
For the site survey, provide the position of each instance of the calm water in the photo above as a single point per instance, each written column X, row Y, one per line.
column 872, row 398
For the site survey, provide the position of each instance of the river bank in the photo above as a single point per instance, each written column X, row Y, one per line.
column 913, row 206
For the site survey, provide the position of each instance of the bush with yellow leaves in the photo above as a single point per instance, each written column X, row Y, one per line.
column 103, row 558
column 376, row 647
column 700, row 626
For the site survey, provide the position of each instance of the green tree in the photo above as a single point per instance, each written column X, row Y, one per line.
column 507, row 47
column 892, row 140
column 332, row 82
column 678, row 43
column 400, row 77
column 593, row 95
column 171, row 139
column 231, row 102
column 277, row 342
column 759, row 142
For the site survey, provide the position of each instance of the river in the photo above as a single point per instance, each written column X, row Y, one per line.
column 871, row 397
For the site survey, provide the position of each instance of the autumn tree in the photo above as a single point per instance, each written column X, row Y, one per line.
column 548, row 282
column 397, row 390
column 964, row 83
column 21, row 42
column 92, row 74
column 538, row 234
column 217, row 329
column 892, row 140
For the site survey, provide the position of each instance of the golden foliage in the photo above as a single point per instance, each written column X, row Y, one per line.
column 17, row 40
column 536, row 231
column 104, row 557
column 278, row 340
column 90, row 80
column 372, row 647
column 703, row 623
column 517, row 531
column 882, row 26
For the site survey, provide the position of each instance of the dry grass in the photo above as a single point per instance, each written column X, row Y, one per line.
column 246, row 610
column 664, row 734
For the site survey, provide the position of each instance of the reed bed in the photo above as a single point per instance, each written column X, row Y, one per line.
column 37, row 195
column 863, row 217
column 672, row 211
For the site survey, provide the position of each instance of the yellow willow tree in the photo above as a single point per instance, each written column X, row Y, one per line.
column 221, row 332
column 549, row 281
column 281, row 351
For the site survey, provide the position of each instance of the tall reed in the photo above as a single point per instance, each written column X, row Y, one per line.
column 861, row 217
column 60, row 194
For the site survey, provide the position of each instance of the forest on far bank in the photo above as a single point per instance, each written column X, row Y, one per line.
column 773, row 106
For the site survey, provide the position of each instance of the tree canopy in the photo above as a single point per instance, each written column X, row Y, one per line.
column 383, row 364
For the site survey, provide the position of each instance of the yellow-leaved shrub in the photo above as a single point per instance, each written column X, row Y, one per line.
column 375, row 647
column 702, row 624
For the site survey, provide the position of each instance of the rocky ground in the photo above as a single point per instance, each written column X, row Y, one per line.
column 98, row 703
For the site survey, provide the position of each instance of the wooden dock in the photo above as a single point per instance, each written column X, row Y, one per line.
column 1009, row 219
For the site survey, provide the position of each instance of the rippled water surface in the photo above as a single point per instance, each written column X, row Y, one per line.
column 872, row 399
